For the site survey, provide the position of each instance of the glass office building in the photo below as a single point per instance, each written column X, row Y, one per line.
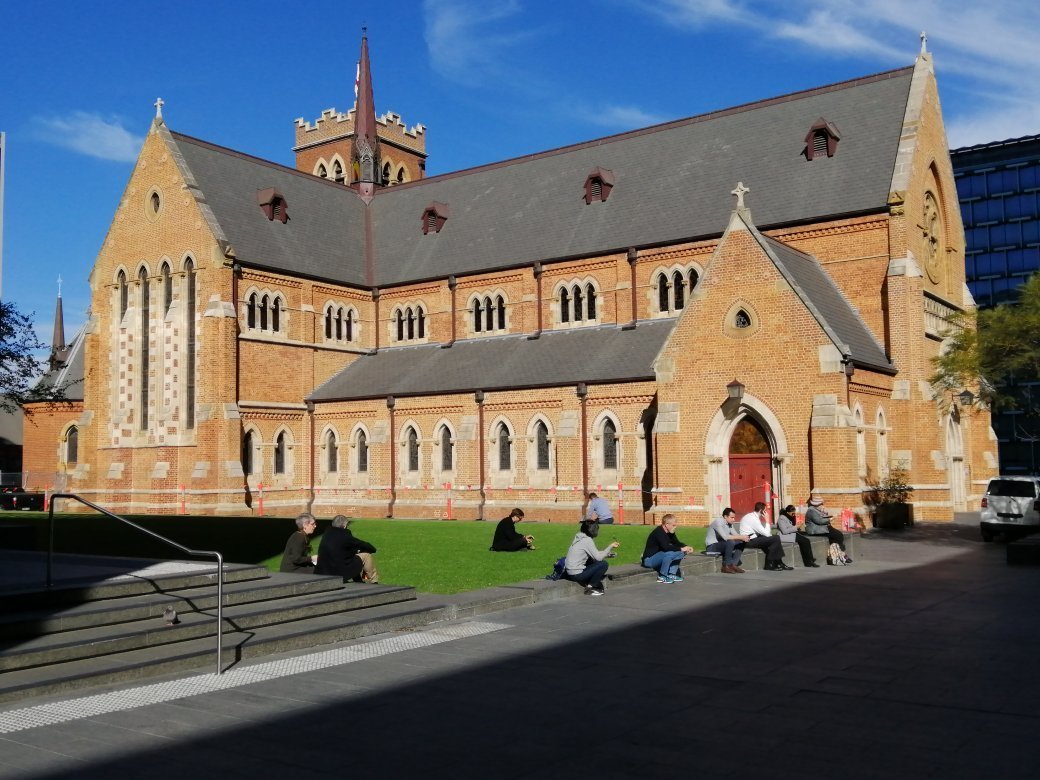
column 998, row 186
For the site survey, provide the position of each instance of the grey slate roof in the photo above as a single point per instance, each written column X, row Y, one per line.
column 672, row 182
column 324, row 237
column 592, row 355
column 69, row 375
column 828, row 304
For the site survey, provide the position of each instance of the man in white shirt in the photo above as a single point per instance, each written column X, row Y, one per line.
column 754, row 526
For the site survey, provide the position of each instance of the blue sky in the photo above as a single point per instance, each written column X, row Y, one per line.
column 490, row 79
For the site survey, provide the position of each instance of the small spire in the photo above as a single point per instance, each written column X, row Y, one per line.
column 159, row 103
column 924, row 42
column 58, row 346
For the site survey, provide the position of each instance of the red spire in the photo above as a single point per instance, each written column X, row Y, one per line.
column 366, row 143
column 365, row 118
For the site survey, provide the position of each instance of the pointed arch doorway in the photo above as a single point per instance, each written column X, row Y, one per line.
column 750, row 466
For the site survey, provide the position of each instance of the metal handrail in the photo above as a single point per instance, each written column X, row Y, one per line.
column 181, row 547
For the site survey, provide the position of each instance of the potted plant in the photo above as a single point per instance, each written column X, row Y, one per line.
column 889, row 500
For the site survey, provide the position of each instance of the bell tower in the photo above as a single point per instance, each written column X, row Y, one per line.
column 358, row 148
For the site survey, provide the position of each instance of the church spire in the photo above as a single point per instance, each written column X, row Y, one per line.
column 59, row 349
column 366, row 142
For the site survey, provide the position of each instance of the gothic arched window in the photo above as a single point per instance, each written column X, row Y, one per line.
column 167, row 285
column 446, row 453
column 279, row 454
column 609, row 445
column 247, row 454
column 541, row 445
column 505, row 450
column 565, row 305
column 362, row 452
column 72, row 446
column 413, row 449
column 331, row 452
column 142, row 277
column 662, row 292
column 590, row 300
column 679, row 286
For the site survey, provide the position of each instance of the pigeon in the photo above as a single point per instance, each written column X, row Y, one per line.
column 170, row 616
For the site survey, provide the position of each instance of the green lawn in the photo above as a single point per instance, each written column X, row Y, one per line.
column 443, row 557
column 432, row 556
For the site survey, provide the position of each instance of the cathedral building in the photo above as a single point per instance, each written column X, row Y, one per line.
column 702, row 313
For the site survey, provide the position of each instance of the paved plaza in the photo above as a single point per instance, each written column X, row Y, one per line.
column 920, row 660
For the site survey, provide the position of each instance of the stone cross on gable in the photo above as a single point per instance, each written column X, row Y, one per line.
column 159, row 103
column 740, row 191
column 924, row 42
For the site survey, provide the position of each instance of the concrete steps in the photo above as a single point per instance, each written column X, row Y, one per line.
column 85, row 634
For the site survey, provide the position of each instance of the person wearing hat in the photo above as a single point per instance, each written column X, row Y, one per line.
column 787, row 530
column 818, row 523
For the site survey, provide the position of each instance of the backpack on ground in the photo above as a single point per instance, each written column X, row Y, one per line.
column 836, row 556
column 559, row 569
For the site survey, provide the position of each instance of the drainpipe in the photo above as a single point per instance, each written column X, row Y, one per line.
column 310, row 452
column 452, row 284
column 632, row 266
column 582, row 392
column 390, row 403
column 538, row 288
column 478, row 396
column 375, row 300
column 236, row 272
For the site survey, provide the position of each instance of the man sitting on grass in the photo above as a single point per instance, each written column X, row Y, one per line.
column 342, row 553
column 663, row 551
column 507, row 538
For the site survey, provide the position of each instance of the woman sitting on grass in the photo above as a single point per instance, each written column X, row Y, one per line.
column 583, row 550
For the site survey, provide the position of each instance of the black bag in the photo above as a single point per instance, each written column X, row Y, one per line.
column 559, row 569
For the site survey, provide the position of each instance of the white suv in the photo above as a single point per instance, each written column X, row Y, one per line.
column 1011, row 505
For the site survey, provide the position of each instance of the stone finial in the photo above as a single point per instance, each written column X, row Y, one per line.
column 159, row 103
column 59, row 285
column 924, row 42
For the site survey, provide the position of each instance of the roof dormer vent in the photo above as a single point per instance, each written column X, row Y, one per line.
column 434, row 216
column 821, row 140
column 598, row 184
column 273, row 204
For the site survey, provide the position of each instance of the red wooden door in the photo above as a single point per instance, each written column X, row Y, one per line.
column 748, row 476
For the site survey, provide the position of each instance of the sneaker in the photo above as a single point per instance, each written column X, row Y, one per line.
column 594, row 592
column 677, row 577
column 664, row 579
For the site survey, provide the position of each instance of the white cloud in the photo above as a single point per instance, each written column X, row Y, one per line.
column 467, row 40
column 621, row 117
column 985, row 52
column 89, row 134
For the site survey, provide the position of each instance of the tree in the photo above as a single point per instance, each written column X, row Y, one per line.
column 999, row 345
column 20, row 369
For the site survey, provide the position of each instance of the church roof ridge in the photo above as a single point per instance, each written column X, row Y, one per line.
column 660, row 127
column 259, row 160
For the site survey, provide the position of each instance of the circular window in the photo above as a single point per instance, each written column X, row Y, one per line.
column 154, row 203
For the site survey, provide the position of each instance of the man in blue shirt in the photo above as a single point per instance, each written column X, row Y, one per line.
column 599, row 509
